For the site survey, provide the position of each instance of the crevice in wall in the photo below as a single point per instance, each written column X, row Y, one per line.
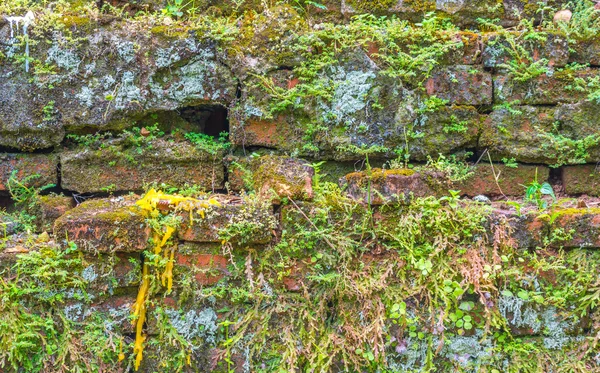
column 207, row 119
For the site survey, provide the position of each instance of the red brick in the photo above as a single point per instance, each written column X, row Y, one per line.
column 26, row 165
column 461, row 85
column 581, row 179
column 207, row 269
column 217, row 218
column 105, row 225
column 274, row 177
column 511, row 180
column 125, row 168
column 52, row 207
column 383, row 186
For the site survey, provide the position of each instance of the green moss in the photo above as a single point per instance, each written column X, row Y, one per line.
column 369, row 6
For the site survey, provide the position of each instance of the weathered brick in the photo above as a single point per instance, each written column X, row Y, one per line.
column 581, row 179
column 586, row 52
column 511, row 181
column 252, row 216
column 202, row 263
column 26, row 165
column 496, row 50
column 582, row 227
column 51, row 207
column 546, row 89
column 506, row 134
column 272, row 176
column 111, row 273
column 521, row 230
column 384, row 186
column 123, row 169
column 461, row 85
column 105, row 225
column 271, row 133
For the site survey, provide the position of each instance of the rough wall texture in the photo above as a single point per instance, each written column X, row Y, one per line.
column 403, row 186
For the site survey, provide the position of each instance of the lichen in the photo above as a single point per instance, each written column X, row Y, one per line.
column 63, row 58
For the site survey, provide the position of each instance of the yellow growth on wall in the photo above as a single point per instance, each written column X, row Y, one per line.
column 155, row 203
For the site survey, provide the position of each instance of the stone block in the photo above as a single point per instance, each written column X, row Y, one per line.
column 250, row 220
column 581, row 179
column 204, row 264
column 27, row 165
column 51, row 207
column 105, row 225
column 110, row 274
column 461, row 85
column 511, row 181
column 272, row 176
column 507, row 134
column 581, row 226
column 120, row 168
column 496, row 50
column 379, row 186
column 546, row 89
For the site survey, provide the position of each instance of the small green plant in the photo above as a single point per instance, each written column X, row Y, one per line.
column 174, row 8
column 208, row 143
column 535, row 192
column 510, row 162
column 454, row 168
column 49, row 111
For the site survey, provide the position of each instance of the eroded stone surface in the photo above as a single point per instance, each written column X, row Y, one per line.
column 105, row 225
column 27, row 165
column 118, row 167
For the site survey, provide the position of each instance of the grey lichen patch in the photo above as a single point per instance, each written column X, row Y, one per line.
column 126, row 50
column 350, row 96
column 128, row 92
column 194, row 324
column 166, row 57
column 64, row 58
column 86, row 96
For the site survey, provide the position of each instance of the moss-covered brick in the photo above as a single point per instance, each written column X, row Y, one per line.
column 581, row 179
column 461, row 85
column 204, row 264
column 550, row 88
column 23, row 123
column 51, row 207
column 577, row 227
column 119, row 168
column 105, row 225
column 511, row 181
column 379, row 186
column 111, row 274
column 497, row 51
column 586, row 51
column 272, row 176
column 252, row 220
column 515, row 133
column 26, row 165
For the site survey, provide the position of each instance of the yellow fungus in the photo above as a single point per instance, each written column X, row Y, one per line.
column 154, row 203
column 139, row 317
column 121, row 354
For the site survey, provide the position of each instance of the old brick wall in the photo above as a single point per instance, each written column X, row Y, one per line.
column 81, row 122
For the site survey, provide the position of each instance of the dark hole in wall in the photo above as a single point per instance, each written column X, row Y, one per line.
column 210, row 120
column 5, row 202
column 207, row 119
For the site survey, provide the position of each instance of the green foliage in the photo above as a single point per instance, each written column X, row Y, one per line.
column 454, row 168
column 534, row 192
column 584, row 24
column 566, row 150
column 26, row 196
column 208, row 143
